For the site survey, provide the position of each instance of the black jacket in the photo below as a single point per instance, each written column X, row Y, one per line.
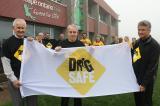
column 145, row 60
column 12, row 49
column 50, row 43
column 67, row 44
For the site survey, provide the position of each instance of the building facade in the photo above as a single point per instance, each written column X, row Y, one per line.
column 94, row 17
column 52, row 16
column 41, row 16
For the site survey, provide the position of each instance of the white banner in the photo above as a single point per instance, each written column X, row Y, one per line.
column 77, row 72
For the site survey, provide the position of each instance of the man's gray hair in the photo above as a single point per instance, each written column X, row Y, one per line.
column 72, row 25
column 40, row 33
column 18, row 19
column 145, row 23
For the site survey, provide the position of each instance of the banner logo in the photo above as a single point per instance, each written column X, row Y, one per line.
column 81, row 70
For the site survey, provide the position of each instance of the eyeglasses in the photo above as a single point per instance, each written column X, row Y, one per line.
column 73, row 32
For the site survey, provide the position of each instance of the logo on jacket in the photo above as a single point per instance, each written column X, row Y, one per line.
column 136, row 55
column 18, row 53
column 49, row 45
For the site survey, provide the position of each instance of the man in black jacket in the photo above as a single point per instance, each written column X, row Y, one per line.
column 72, row 41
column 12, row 50
column 146, row 52
column 49, row 43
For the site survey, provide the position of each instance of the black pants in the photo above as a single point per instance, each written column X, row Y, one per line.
column 144, row 98
column 17, row 99
column 65, row 101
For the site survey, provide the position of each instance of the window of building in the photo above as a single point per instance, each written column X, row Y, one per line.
column 56, row 32
column 92, row 9
column 42, row 28
column 114, row 22
column 30, row 29
column 103, row 16
column 5, row 28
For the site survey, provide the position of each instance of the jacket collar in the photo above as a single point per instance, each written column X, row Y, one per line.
column 147, row 40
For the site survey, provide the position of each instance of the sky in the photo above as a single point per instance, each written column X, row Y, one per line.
column 132, row 11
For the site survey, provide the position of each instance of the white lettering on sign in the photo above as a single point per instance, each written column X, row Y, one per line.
column 45, row 14
column 43, row 4
column 81, row 77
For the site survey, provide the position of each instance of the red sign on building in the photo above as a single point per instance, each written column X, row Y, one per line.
column 41, row 11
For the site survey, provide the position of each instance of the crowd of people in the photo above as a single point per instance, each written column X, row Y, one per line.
column 99, row 40
column 145, row 53
column 45, row 39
